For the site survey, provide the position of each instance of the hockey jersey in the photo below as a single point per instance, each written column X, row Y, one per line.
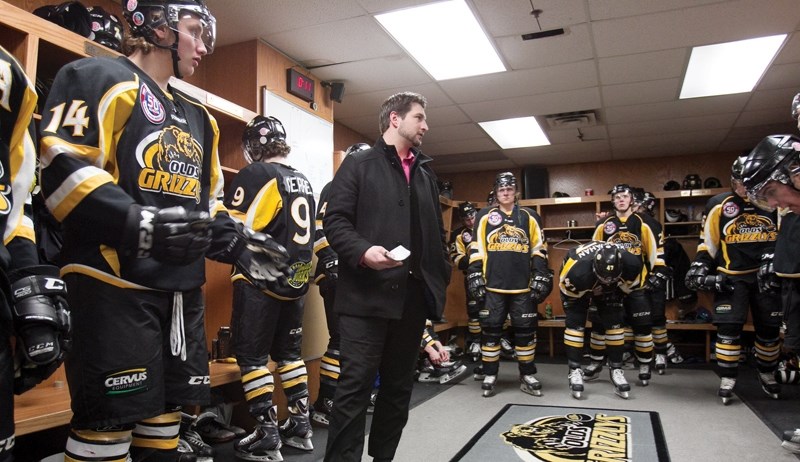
column 276, row 199
column 460, row 240
column 322, row 249
column 111, row 137
column 638, row 234
column 507, row 248
column 577, row 277
column 735, row 234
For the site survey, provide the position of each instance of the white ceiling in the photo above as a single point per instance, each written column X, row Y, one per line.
column 623, row 59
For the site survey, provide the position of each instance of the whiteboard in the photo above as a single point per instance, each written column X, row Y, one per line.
column 309, row 136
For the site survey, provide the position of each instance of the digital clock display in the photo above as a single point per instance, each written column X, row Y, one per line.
column 299, row 85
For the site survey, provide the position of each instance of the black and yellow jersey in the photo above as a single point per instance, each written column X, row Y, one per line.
column 322, row 249
column 577, row 277
column 787, row 251
column 735, row 234
column 276, row 199
column 638, row 234
column 460, row 240
column 111, row 137
column 17, row 163
column 507, row 247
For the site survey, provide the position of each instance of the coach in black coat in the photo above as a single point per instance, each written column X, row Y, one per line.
column 382, row 198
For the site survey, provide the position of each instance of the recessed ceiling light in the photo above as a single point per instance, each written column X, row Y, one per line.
column 726, row 68
column 445, row 39
column 521, row 132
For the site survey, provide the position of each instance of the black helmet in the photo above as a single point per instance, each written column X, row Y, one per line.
column 258, row 133
column 737, row 168
column 69, row 15
column 144, row 16
column 649, row 201
column 608, row 263
column 466, row 209
column 769, row 161
column 712, row 182
column 620, row 188
column 675, row 216
column 672, row 185
column 560, row 194
column 491, row 198
column 106, row 28
column 637, row 194
column 795, row 106
column 356, row 148
column 505, row 179
column 692, row 181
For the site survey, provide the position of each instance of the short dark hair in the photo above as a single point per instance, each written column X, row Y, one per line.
column 399, row 103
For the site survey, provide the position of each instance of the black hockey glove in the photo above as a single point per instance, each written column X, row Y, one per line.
column 476, row 285
column 658, row 278
column 172, row 235
column 768, row 281
column 41, row 323
column 541, row 286
column 330, row 268
column 719, row 282
column 259, row 257
column 696, row 276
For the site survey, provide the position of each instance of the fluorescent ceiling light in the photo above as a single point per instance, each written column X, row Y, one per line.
column 444, row 38
column 726, row 68
column 521, row 132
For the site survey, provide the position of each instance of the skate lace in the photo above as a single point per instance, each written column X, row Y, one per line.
column 529, row 379
column 727, row 383
column 661, row 359
column 194, row 439
column 767, row 378
column 644, row 368
column 618, row 377
column 576, row 377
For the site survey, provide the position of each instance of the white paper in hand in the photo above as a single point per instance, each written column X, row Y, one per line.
column 399, row 253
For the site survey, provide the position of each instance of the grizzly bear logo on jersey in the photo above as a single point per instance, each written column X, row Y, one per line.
column 171, row 162
column 750, row 227
column 627, row 241
column 508, row 239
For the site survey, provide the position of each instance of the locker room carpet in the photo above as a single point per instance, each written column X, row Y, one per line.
column 695, row 423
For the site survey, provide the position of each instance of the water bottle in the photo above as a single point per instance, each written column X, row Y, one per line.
column 224, row 342
column 548, row 311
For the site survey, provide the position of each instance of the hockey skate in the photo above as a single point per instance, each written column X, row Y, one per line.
column 474, row 351
column 530, row 385
column 725, row 392
column 477, row 373
column 264, row 444
column 443, row 373
column 322, row 412
column 770, row 386
column 488, row 385
column 213, row 430
column 189, row 436
column 621, row 386
column 185, row 452
column 296, row 430
column 791, row 441
column 644, row 374
column 661, row 363
column 575, row 379
column 592, row 371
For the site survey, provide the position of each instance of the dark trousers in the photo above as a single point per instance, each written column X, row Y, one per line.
column 370, row 346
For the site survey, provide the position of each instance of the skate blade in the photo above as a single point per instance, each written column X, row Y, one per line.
column 770, row 394
column 452, row 375
column 644, row 383
column 726, row 400
column 529, row 391
column 267, row 456
column 299, row 443
column 577, row 394
column 622, row 394
column 488, row 393
column 320, row 420
column 427, row 379
column 660, row 371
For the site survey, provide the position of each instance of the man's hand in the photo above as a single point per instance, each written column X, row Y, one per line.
column 476, row 285
column 696, row 275
column 172, row 235
column 377, row 258
column 437, row 353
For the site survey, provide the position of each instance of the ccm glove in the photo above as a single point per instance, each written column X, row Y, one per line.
column 476, row 285
column 768, row 281
column 330, row 268
column 658, row 278
column 259, row 257
column 541, row 286
column 718, row 282
column 41, row 323
column 172, row 235
column 696, row 276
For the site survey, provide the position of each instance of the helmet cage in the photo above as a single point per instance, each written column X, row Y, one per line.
column 621, row 188
column 778, row 153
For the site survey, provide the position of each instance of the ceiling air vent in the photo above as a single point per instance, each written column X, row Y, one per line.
column 578, row 119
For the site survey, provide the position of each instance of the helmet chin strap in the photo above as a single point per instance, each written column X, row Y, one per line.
column 173, row 49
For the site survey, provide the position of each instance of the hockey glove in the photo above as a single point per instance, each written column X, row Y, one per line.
column 259, row 257
column 330, row 268
column 768, row 281
column 476, row 285
column 172, row 235
column 658, row 278
column 696, row 276
column 541, row 286
column 719, row 282
column 41, row 323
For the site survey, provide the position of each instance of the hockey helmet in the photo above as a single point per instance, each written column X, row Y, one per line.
column 675, row 216
column 466, row 210
column 445, row 188
column 672, row 185
column 145, row 16
column 607, row 263
column 637, row 195
column 260, row 132
column 773, row 159
column 356, row 148
column 795, row 106
column 648, row 202
column 692, row 181
column 69, row 15
column 106, row 28
column 491, row 199
column 560, row 194
column 712, row 182
column 505, row 179
column 620, row 188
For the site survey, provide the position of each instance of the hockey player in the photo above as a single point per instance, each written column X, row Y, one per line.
column 435, row 364
column 460, row 240
column 508, row 274
column 603, row 272
column 33, row 308
column 131, row 170
column 734, row 236
column 641, row 236
column 272, row 197
column 325, row 277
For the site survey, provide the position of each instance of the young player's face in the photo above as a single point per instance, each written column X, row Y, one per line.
column 777, row 194
column 191, row 48
column 622, row 201
column 413, row 126
column 469, row 220
column 505, row 195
